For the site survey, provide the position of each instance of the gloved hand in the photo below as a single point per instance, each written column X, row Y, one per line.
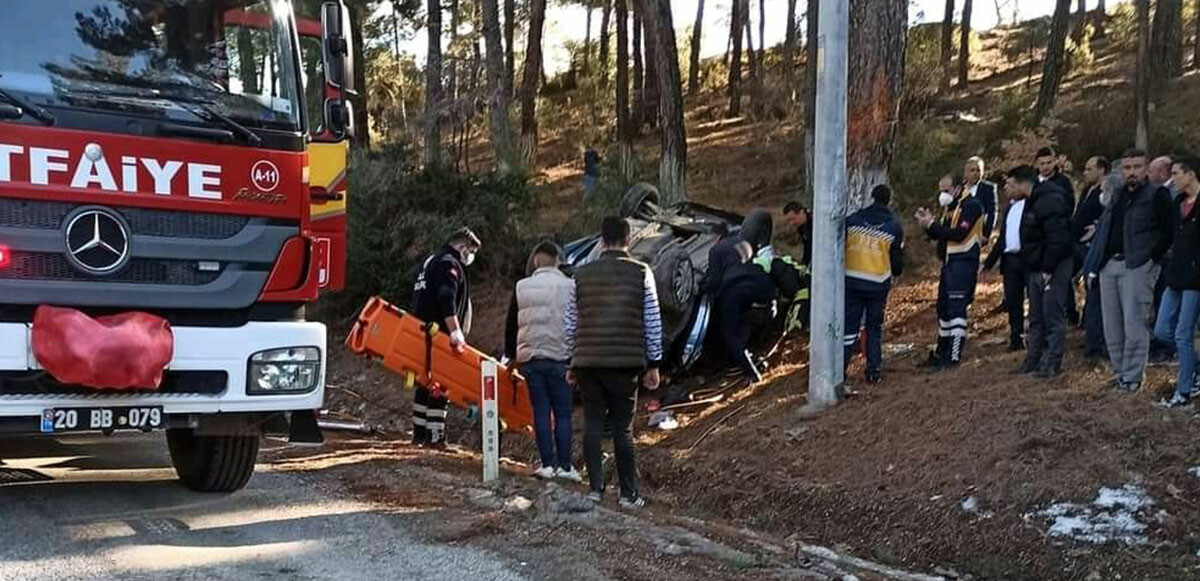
column 458, row 341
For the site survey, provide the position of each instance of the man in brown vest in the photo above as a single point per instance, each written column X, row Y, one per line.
column 614, row 333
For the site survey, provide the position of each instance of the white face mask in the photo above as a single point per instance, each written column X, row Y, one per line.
column 468, row 258
column 945, row 199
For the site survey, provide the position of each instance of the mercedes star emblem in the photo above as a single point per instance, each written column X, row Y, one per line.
column 97, row 241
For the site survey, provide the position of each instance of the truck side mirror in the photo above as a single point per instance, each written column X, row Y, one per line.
column 339, row 56
column 339, row 66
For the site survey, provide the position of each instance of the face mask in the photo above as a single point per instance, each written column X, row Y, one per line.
column 468, row 258
column 945, row 199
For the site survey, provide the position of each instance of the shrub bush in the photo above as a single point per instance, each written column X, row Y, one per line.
column 398, row 215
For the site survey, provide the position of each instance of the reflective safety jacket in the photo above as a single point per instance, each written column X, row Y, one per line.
column 874, row 249
column 959, row 232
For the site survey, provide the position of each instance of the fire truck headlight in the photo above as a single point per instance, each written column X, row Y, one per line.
column 289, row 370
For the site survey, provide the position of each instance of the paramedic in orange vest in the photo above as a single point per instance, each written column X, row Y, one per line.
column 874, row 254
column 959, row 236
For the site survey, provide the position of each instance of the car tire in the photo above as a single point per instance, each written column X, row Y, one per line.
column 757, row 228
column 640, row 201
column 212, row 463
column 675, row 277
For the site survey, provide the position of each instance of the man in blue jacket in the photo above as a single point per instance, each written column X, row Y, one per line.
column 874, row 255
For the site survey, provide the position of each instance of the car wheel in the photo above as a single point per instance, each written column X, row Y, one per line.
column 641, row 201
column 675, row 277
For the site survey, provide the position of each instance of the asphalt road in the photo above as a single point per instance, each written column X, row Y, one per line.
column 109, row 508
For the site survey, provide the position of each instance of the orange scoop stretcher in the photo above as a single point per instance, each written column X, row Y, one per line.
column 415, row 349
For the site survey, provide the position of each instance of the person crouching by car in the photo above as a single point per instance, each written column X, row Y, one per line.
column 533, row 339
column 874, row 254
column 744, row 286
column 442, row 296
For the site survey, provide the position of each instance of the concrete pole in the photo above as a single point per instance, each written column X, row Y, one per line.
column 825, row 374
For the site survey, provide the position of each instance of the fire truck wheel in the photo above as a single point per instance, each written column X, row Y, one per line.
column 212, row 463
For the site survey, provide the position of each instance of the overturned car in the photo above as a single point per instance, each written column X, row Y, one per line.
column 675, row 242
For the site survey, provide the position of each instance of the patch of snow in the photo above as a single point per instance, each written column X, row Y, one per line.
column 1117, row 515
column 971, row 505
column 1195, row 471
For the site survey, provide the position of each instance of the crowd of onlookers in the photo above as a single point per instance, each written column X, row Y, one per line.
column 1131, row 239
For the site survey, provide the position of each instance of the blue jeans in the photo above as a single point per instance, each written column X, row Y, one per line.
column 1177, row 315
column 589, row 185
column 551, row 398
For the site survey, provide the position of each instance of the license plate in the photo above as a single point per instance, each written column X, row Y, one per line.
column 143, row 418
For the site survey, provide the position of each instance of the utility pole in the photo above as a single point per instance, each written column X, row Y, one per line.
column 825, row 372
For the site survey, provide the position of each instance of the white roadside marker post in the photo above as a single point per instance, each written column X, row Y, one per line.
column 490, row 417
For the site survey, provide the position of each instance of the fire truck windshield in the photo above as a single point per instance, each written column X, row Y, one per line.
column 155, row 59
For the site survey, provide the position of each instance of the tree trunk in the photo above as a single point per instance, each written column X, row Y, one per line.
column 399, row 66
column 1196, row 47
column 587, row 41
column 638, row 112
column 1142, row 84
column 735, row 59
column 878, row 37
column 1166, row 47
column 789, row 51
column 529, row 83
column 649, row 57
column 605, row 15
column 510, row 49
column 497, row 96
column 362, row 121
column 947, row 46
column 672, row 168
column 964, row 46
column 624, row 132
column 451, row 93
column 1101, row 21
column 762, row 36
column 810, row 93
column 1054, row 68
column 694, row 56
column 433, row 86
column 751, row 54
column 1081, row 18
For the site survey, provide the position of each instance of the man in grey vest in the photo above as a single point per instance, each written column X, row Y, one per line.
column 533, row 339
column 614, row 333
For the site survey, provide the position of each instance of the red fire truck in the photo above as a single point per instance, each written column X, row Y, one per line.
column 155, row 158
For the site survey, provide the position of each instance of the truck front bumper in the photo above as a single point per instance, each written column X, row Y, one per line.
column 211, row 349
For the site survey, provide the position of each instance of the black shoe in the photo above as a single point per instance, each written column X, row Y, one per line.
column 1049, row 372
column 1029, row 366
column 874, row 377
column 1015, row 345
column 1129, row 387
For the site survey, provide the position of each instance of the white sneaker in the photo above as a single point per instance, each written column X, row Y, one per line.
column 545, row 473
column 572, row 475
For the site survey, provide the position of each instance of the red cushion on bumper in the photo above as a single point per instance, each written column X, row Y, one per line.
column 124, row 351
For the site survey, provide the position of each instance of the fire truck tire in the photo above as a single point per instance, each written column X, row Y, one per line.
column 212, row 463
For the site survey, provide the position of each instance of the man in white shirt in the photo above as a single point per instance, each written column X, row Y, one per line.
column 982, row 190
column 1006, row 251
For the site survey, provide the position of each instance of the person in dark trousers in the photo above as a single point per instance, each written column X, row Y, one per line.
column 591, row 172
column 874, row 256
column 1180, row 309
column 959, row 236
column 982, row 190
column 1159, row 172
column 1048, row 169
column 1007, row 253
column 442, row 296
column 1049, row 257
column 614, row 332
column 1131, row 242
column 801, row 217
column 1087, row 216
column 744, row 285
column 533, row 339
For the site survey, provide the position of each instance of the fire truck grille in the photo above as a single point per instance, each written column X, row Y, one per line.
column 51, row 215
column 26, row 383
column 46, row 266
